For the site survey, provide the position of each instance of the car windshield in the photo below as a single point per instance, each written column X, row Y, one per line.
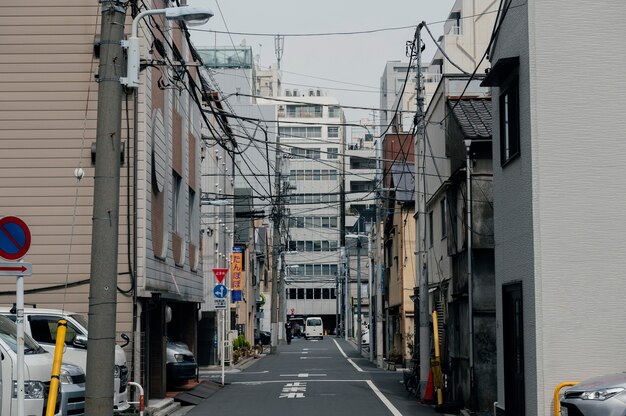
column 8, row 334
column 81, row 319
column 314, row 322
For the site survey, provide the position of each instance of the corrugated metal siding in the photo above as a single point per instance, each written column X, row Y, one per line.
column 48, row 101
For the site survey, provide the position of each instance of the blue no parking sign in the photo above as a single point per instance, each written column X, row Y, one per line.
column 14, row 238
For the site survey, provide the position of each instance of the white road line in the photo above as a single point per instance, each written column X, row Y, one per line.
column 359, row 369
column 303, row 375
column 252, row 383
column 340, row 350
column 313, row 358
column 346, row 357
column 383, row 399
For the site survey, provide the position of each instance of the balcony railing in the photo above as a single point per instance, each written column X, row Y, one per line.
column 432, row 77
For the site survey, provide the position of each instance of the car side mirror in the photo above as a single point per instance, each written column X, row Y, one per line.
column 80, row 341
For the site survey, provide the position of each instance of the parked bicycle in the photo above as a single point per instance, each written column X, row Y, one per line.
column 412, row 378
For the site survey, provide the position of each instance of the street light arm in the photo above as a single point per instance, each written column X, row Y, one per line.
column 191, row 15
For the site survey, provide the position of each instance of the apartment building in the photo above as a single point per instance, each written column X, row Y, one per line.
column 50, row 91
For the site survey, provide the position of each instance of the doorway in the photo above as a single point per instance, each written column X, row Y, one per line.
column 513, row 334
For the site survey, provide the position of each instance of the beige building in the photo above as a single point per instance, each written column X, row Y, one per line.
column 48, row 107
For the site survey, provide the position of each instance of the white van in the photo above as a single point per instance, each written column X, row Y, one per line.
column 37, row 371
column 41, row 324
column 314, row 328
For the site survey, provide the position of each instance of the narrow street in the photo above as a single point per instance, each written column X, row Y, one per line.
column 312, row 377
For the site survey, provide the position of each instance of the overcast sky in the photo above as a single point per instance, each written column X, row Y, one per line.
column 347, row 67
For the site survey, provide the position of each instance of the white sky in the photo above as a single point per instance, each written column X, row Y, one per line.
column 344, row 62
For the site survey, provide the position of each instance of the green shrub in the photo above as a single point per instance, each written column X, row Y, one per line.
column 240, row 343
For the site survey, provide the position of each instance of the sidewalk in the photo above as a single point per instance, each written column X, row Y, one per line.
column 180, row 401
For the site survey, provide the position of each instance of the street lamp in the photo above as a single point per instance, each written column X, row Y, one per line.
column 359, row 330
column 191, row 15
column 215, row 202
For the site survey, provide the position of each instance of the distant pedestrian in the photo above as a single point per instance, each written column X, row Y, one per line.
column 288, row 331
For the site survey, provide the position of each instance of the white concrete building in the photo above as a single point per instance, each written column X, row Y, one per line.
column 311, row 140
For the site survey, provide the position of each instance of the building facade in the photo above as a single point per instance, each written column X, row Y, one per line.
column 556, row 196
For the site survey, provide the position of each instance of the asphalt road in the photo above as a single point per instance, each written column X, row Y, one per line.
column 311, row 378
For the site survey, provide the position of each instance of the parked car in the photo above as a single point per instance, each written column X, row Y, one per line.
column 37, row 366
column 181, row 363
column 41, row 324
column 264, row 338
column 314, row 328
column 599, row 396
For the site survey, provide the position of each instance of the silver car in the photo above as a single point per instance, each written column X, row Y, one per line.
column 599, row 396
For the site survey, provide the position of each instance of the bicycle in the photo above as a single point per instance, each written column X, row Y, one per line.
column 412, row 378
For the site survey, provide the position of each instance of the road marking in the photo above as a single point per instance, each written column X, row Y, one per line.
column 254, row 383
column 303, row 375
column 340, row 350
column 294, row 390
column 312, row 358
column 359, row 369
column 346, row 357
column 383, row 399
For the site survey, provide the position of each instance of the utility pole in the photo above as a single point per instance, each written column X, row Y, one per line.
column 421, row 271
column 359, row 319
column 104, row 236
column 276, row 249
column 378, row 335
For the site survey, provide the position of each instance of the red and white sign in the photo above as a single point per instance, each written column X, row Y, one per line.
column 14, row 238
column 220, row 274
column 16, row 268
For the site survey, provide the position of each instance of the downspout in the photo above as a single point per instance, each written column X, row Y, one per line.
column 470, row 282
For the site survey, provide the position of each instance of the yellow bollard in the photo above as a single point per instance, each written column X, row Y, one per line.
column 557, row 404
column 56, row 367
column 436, row 369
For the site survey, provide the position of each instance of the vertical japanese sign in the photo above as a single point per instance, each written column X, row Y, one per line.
column 236, row 273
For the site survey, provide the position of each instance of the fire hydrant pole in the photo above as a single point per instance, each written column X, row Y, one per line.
column 56, row 367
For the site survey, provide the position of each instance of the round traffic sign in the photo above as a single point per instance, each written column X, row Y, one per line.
column 220, row 291
column 14, row 238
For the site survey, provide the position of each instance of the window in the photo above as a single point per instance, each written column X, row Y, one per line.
column 334, row 112
column 362, row 163
column 300, row 293
column 309, row 293
column 176, row 185
column 362, row 186
column 332, row 153
column 431, row 234
column 509, row 122
column 293, row 294
column 325, row 293
column 444, row 228
column 333, row 132
column 300, row 132
column 317, row 293
column 44, row 329
column 304, row 111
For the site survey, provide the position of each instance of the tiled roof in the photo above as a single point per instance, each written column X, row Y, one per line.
column 473, row 116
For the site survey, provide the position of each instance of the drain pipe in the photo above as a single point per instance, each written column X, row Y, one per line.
column 470, row 280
